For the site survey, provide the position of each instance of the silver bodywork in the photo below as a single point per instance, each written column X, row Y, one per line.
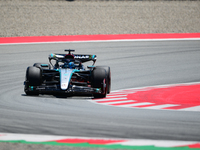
column 65, row 77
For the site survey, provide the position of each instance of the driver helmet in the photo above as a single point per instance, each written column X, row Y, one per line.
column 71, row 65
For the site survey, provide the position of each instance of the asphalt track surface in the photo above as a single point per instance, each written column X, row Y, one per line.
column 133, row 64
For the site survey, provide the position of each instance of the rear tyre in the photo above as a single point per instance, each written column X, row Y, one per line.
column 99, row 81
column 108, row 77
column 33, row 78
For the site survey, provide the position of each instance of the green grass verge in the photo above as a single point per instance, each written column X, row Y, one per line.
column 113, row 146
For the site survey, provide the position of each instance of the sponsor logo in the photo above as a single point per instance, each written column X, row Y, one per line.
column 64, row 85
column 82, row 56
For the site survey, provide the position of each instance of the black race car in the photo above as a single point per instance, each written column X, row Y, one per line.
column 68, row 75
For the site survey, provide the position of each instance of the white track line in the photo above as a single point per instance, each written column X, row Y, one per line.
column 118, row 102
column 109, row 99
column 144, row 88
column 125, row 105
column 161, row 106
column 136, row 104
column 156, row 143
column 195, row 108
column 111, row 96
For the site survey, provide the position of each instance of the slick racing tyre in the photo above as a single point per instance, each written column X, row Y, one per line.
column 33, row 78
column 99, row 81
column 42, row 66
column 108, row 77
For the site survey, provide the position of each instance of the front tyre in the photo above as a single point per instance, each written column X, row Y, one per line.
column 33, row 78
column 108, row 77
column 99, row 81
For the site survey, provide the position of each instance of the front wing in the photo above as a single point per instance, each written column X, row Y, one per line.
column 72, row 89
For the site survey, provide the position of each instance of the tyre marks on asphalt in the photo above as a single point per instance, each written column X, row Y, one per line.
column 184, row 97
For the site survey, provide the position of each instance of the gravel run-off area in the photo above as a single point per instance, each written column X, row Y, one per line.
column 46, row 17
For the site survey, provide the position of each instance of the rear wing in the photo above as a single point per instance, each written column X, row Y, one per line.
column 85, row 58
column 80, row 57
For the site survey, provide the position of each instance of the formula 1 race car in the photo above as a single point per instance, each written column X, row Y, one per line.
column 68, row 75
